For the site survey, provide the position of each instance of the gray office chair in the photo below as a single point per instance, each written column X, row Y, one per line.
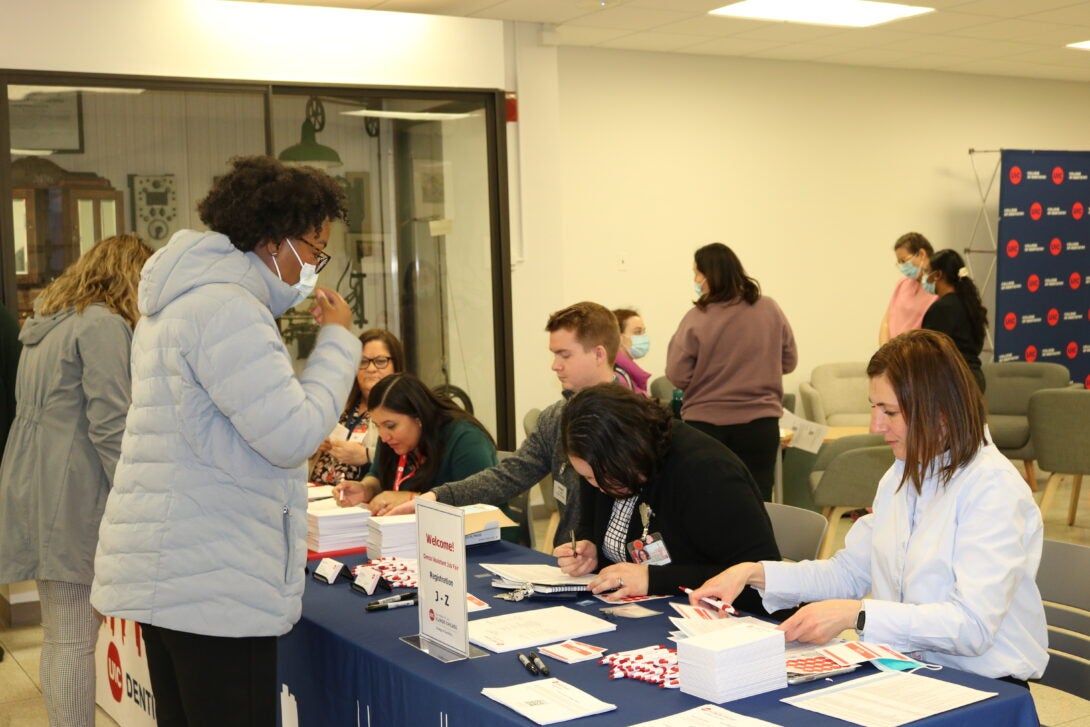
column 836, row 395
column 518, row 509
column 1008, row 389
column 662, row 390
column 1058, row 421
column 799, row 533
column 1066, row 594
column 849, row 483
column 545, row 487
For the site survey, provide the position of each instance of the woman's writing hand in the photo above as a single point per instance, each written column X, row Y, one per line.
column 583, row 560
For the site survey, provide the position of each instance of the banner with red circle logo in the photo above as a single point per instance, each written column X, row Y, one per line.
column 122, row 683
column 1042, row 297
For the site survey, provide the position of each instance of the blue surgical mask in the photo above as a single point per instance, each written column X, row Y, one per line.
column 928, row 285
column 908, row 269
column 699, row 288
column 909, row 665
column 641, row 344
column 308, row 277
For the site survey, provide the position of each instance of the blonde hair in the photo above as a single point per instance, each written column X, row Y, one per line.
column 108, row 273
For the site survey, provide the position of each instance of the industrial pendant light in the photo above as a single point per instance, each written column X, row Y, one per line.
column 308, row 151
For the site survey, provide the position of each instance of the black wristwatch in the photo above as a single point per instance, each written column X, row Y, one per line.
column 861, row 619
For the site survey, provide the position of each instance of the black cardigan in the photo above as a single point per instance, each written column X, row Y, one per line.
column 707, row 507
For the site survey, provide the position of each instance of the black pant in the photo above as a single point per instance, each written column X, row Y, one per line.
column 757, row 444
column 211, row 680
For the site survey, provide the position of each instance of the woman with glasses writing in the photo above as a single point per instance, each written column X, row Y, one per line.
column 345, row 457
column 425, row 441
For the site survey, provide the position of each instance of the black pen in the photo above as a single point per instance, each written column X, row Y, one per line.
column 530, row 667
column 393, row 599
column 388, row 606
column 539, row 663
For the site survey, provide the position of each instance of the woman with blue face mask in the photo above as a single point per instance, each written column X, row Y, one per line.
column 958, row 311
column 635, row 343
column 203, row 541
column 910, row 299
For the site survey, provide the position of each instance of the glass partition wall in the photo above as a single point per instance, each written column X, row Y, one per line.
column 424, row 253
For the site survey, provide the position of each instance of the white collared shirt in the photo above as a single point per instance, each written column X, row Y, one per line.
column 951, row 571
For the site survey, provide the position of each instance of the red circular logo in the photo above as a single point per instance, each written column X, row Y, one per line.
column 113, row 671
column 1015, row 175
column 1035, row 211
column 1031, row 353
column 1009, row 321
column 1077, row 210
column 1087, row 382
column 1012, row 248
column 1074, row 281
column 1057, row 175
column 431, row 614
column 1072, row 349
column 1053, row 316
column 1055, row 246
column 1033, row 283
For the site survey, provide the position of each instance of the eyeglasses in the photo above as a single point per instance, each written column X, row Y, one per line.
column 380, row 362
column 321, row 257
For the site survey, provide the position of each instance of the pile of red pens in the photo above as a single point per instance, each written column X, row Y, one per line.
column 654, row 664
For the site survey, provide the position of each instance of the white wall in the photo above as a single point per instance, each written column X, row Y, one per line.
column 808, row 171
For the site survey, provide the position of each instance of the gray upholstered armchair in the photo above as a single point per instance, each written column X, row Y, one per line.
column 836, row 395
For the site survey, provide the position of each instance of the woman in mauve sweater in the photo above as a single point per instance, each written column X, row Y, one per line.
column 729, row 355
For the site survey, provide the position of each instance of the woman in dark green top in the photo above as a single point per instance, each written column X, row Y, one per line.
column 425, row 441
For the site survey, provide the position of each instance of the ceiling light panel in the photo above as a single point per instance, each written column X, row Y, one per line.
column 846, row 13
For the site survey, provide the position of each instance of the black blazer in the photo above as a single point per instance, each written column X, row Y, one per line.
column 707, row 507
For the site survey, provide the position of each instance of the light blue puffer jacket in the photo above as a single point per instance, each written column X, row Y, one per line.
column 204, row 530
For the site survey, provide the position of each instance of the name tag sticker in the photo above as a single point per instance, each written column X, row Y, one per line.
column 560, row 492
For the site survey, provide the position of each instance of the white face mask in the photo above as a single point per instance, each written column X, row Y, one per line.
column 308, row 277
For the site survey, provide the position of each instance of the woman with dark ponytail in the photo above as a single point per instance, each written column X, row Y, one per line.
column 958, row 312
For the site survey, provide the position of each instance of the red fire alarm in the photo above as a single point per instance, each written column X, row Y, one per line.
column 512, row 106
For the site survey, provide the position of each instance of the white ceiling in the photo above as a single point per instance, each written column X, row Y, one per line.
column 1023, row 38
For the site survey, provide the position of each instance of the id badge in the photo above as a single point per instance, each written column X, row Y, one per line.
column 649, row 550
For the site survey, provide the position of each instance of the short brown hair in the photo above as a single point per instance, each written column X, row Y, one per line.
column 915, row 242
column 622, row 315
column 939, row 399
column 593, row 325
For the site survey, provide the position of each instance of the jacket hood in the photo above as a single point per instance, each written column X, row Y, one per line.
column 37, row 326
column 192, row 259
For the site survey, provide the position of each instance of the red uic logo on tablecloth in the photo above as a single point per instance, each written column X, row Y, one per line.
column 1075, row 280
column 1012, row 248
column 1031, row 353
column 1009, row 321
column 1077, row 210
column 1015, row 175
column 1057, row 175
column 1053, row 316
column 1072, row 349
column 113, row 671
column 1035, row 211
column 1055, row 246
column 1033, row 283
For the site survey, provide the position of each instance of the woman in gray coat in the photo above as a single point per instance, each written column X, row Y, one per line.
column 72, row 395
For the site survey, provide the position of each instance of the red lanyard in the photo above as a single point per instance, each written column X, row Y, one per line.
column 401, row 476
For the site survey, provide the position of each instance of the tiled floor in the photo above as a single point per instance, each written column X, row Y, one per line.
column 21, row 702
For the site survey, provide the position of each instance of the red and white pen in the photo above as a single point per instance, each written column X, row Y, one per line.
column 713, row 602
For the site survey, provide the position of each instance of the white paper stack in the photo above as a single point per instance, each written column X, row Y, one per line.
column 392, row 536
column 732, row 663
column 336, row 528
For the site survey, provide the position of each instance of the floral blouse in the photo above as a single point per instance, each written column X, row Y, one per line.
column 327, row 470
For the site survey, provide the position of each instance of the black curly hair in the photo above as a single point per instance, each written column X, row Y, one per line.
column 261, row 199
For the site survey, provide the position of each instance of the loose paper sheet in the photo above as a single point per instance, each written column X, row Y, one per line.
column 707, row 715
column 548, row 701
column 525, row 629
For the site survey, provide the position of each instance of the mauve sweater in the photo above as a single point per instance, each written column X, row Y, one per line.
column 730, row 359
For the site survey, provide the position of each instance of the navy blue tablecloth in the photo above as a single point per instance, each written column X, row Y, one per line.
column 345, row 666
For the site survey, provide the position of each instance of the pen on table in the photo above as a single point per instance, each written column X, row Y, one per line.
column 713, row 602
column 392, row 604
column 530, row 666
column 393, row 599
column 538, row 663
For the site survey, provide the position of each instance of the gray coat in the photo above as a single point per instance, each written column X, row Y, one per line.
column 205, row 529
column 72, row 393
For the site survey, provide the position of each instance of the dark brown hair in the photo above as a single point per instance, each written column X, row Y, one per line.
column 397, row 359
column 593, row 325
column 622, row 315
column 622, row 435
column 262, row 200
column 940, row 401
column 727, row 279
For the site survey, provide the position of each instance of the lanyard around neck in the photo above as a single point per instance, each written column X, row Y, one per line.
column 402, row 461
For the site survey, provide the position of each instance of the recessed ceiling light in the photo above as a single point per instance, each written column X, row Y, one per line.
column 851, row 13
column 1082, row 45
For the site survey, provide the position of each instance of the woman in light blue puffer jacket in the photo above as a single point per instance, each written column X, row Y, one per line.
column 203, row 538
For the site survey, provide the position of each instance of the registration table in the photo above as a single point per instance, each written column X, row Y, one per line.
column 345, row 666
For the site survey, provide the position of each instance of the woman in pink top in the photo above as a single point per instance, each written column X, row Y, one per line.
column 729, row 355
column 634, row 344
column 910, row 299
